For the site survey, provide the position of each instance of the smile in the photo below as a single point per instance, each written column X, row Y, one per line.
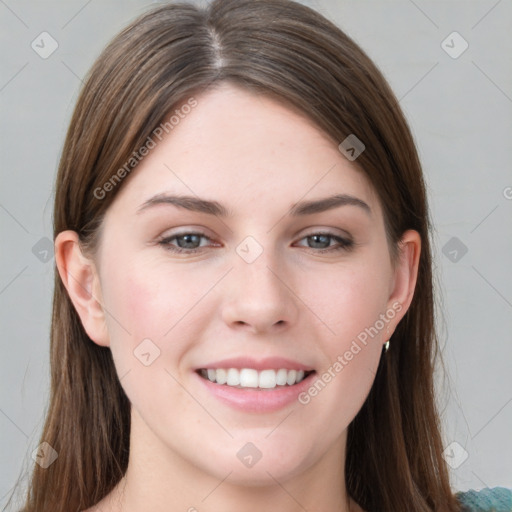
column 252, row 378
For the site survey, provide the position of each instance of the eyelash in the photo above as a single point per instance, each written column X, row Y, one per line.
column 344, row 244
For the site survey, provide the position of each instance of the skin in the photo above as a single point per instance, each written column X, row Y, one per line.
column 258, row 158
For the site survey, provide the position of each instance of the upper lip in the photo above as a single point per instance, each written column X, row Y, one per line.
column 269, row 363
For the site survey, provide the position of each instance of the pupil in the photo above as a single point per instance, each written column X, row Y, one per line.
column 317, row 237
column 187, row 240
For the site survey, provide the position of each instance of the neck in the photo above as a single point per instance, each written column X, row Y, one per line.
column 160, row 480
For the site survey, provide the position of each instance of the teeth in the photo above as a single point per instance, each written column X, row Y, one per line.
column 281, row 377
column 233, row 377
column 292, row 377
column 250, row 378
column 267, row 379
column 219, row 375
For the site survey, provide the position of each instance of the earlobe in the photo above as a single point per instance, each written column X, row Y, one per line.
column 406, row 273
column 80, row 278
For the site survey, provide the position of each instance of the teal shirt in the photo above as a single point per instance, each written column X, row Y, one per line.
column 497, row 499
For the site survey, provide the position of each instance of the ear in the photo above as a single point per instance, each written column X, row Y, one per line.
column 80, row 277
column 405, row 276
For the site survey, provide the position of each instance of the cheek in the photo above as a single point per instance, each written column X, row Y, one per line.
column 144, row 308
column 145, row 302
column 153, row 301
column 138, row 306
column 145, row 297
column 133, row 300
column 348, row 303
column 351, row 307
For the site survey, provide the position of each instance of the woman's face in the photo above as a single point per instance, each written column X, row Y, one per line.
column 262, row 282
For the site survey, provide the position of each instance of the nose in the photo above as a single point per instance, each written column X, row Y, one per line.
column 260, row 296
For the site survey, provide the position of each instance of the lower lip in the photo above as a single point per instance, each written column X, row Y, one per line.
column 257, row 400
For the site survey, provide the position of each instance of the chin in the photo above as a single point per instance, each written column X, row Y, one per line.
column 258, row 472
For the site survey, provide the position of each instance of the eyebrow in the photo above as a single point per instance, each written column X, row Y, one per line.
column 199, row 205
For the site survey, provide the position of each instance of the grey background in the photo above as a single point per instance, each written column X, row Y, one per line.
column 460, row 112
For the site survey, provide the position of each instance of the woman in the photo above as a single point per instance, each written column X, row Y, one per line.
column 243, row 310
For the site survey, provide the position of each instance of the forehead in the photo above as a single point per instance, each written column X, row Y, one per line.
column 248, row 151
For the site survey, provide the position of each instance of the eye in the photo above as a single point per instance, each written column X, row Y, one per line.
column 187, row 242
column 190, row 242
column 324, row 239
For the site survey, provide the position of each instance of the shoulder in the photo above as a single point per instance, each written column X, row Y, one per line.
column 497, row 499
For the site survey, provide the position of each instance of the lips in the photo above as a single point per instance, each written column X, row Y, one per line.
column 260, row 400
column 246, row 372
column 269, row 363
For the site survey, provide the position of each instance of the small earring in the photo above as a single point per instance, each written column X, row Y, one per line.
column 386, row 345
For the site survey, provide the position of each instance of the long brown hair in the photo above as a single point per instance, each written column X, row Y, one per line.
column 290, row 52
